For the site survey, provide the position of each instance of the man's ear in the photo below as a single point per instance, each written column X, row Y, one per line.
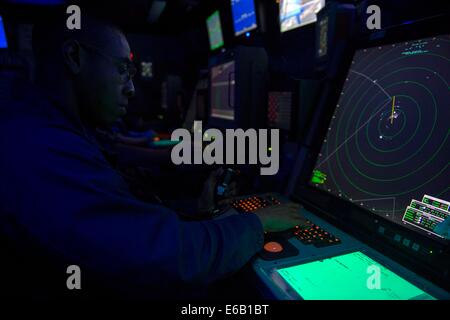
column 72, row 55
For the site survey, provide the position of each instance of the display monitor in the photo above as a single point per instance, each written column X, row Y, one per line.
column 222, row 91
column 214, row 31
column 297, row 13
column 387, row 146
column 244, row 16
column 279, row 110
column 3, row 41
column 350, row 276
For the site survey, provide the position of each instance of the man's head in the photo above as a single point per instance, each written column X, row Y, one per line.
column 95, row 63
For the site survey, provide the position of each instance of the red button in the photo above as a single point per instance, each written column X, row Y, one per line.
column 273, row 247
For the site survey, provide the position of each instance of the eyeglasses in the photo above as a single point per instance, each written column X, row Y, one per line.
column 126, row 68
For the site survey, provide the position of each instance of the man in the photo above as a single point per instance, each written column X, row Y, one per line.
column 58, row 194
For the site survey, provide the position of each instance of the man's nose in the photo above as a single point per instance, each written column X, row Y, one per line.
column 128, row 90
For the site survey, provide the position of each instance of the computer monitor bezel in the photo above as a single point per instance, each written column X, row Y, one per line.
column 240, row 33
column 412, row 228
column 326, row 203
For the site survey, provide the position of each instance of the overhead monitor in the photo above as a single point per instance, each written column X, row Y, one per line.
column 244, row 16
column 222, row 91
column 297, row 13
column 3, row 41
column 214, row 31
column 387, row 147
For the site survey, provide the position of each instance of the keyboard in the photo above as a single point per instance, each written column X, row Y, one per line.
column 315, row 235
column 309, row 234
column 253, row 203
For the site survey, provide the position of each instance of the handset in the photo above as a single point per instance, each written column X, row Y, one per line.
column 224, row 182
column 224, row 186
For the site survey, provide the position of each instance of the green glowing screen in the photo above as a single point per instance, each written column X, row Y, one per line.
column 352, row 276
column 214, row 31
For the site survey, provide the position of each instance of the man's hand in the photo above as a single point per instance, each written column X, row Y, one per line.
column 281, row 217
column 443, row 228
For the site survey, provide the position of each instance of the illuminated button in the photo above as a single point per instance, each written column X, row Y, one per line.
column 273, row 247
